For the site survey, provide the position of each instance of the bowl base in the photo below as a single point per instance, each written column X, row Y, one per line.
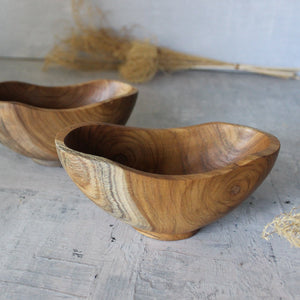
column 48, row 163
column 166, row 236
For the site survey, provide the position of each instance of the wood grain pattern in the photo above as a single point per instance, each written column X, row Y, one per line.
column 44, row 216
column 31, row 115
column 167, row 183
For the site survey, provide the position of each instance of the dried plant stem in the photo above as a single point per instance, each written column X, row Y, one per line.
column 287, row 74
column 286, row 225
column 92, row 48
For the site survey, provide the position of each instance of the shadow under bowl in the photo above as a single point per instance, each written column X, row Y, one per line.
column 31, row 115
column 167, row 183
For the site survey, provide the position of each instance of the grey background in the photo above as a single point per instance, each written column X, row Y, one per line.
column 244, row 31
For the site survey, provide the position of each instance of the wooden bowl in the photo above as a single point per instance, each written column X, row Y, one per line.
column 31, row 115
column 167, row 183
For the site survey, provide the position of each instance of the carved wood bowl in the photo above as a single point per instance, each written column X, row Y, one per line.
column 31, row 115
column 167, row 183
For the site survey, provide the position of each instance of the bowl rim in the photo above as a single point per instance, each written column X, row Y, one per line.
column 273, row 147
column 131, row 92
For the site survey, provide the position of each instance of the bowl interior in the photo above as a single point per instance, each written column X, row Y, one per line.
column 62, row 97
column 180, row 151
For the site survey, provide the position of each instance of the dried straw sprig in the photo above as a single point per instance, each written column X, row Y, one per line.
column 101, row 48
column 286, row 225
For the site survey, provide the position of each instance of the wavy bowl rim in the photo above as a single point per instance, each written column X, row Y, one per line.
column 270, row 150
column 133, row 91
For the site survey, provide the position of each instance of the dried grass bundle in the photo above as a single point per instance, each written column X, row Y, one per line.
column 91, row 47
column 286, row 225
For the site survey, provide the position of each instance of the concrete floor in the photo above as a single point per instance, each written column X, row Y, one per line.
column 56, row 244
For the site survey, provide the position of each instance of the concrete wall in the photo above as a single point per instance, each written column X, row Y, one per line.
column 245, row 31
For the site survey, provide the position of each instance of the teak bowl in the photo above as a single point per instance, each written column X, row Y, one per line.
column 167, row 183
column 31, row 115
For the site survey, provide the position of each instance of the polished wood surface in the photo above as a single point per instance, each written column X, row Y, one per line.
column 167, row 183
column 31, row 115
